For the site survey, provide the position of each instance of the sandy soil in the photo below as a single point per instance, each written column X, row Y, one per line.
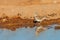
column 28, row 8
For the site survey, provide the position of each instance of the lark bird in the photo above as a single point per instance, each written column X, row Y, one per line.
column 39, row 18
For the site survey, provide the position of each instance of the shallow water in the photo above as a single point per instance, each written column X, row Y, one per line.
column 29, row 34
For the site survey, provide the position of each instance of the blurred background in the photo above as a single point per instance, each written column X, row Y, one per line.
column 29, row 34
column 29, row 7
